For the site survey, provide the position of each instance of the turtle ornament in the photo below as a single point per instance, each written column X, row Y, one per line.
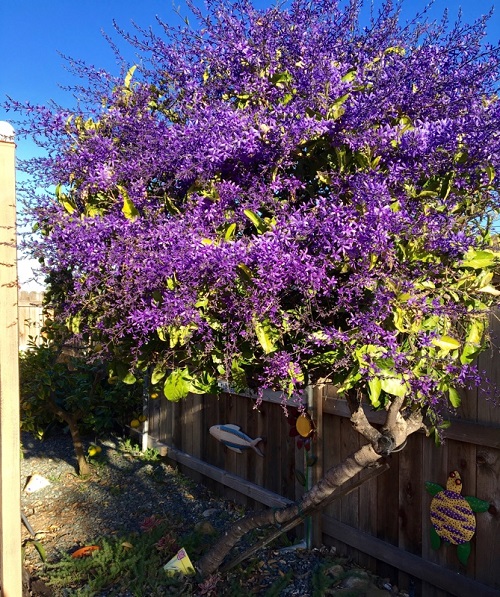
column 452, row 515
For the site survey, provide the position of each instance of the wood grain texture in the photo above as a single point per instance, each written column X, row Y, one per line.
column 393, row 509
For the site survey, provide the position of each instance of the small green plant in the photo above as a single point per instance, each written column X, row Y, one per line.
column 278, row 586
column 130, row 447
column 321, row 581
column 133, row 562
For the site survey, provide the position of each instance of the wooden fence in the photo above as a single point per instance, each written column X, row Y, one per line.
column 384, row 525
column 31, row 316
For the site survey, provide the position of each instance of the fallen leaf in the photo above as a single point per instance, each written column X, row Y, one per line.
column 84, row 551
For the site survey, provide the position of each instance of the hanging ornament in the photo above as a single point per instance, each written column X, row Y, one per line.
column 452, row 516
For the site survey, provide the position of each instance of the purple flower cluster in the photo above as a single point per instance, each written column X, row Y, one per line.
column 279, row 194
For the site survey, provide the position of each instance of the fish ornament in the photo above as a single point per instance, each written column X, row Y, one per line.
column 233, row 438
column 452, row 515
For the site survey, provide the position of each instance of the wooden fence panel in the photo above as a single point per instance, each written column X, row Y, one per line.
column 31, row 317
column 385, row 524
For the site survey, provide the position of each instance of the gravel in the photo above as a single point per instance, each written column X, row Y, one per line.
column 126, row 489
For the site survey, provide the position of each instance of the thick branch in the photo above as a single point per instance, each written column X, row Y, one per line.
column 361, row 424
column 392, row 414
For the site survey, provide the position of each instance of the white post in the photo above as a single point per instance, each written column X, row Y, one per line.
column 10, row 467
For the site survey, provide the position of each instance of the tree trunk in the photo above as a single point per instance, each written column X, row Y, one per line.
column 83, row 466
column 72, row 422
column 393, row 434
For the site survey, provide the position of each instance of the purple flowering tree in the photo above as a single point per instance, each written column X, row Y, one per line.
column 279, row 198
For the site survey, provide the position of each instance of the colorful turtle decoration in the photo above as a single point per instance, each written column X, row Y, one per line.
column 452, row 515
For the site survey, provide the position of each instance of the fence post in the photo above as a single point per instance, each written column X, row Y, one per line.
column 10, row 473
column 318, row 467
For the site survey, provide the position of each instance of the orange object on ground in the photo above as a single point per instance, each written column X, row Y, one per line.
column 84, row 551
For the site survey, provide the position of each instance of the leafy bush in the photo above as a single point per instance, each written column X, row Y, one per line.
column 52, row 382
column 62, row 383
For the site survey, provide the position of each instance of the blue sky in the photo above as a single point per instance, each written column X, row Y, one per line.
column 33, row 34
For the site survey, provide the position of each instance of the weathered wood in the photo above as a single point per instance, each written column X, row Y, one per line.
column 410, row 492
column 460, row 430
column 10, row 473
column 487, row 537
column 395, row 507
column 435, row 469
column 351, row 485
column 31, row 317
column 227, row 479
column 317, row 470
column 456, row 584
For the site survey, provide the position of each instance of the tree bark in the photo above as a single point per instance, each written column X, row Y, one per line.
column 72, row 422
column 395, row 430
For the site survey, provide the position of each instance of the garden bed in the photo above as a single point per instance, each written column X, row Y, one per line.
column 139, row 511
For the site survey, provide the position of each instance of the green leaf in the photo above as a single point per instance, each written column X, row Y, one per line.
column 454, row 398
column 394, row 386
column 478, row 259
column 230, row 232
column 490, row 289
column 158, row 373
column 327, row 358
column 256, row 220
column 41, row 550
column 180, row 335
column 124, row 374
column 129, row 75
column 336, row 110
column 238, row 375
column 170, row 206
column 177, row 385
column 347, row 380
column 490, row 171
column 74, row 324
column 201, row 384
column 129, row 210
column 446, row 343
column 349, row 76
column 279, row 79
column 266, row 335
column 245, row 273
column 395, row 50
column 129, row 379
column 375, row 388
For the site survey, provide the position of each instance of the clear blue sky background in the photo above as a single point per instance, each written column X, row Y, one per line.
column 34, row 32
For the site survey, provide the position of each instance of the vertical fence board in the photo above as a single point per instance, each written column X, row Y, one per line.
column 487, row 538
column 388, row 510
column 462, row 457
column 411, row 487
column 435, row 469
column 349, row 506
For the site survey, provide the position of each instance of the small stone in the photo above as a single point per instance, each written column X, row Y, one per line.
column 336, row 570
column 109, row 443
column 205, row 528
column 209, row 512
column 35, row 483
column 356, row 579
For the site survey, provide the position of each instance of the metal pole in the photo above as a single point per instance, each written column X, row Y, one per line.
column 10, row 448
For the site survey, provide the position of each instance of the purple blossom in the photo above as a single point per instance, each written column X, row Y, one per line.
column 284, row 186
